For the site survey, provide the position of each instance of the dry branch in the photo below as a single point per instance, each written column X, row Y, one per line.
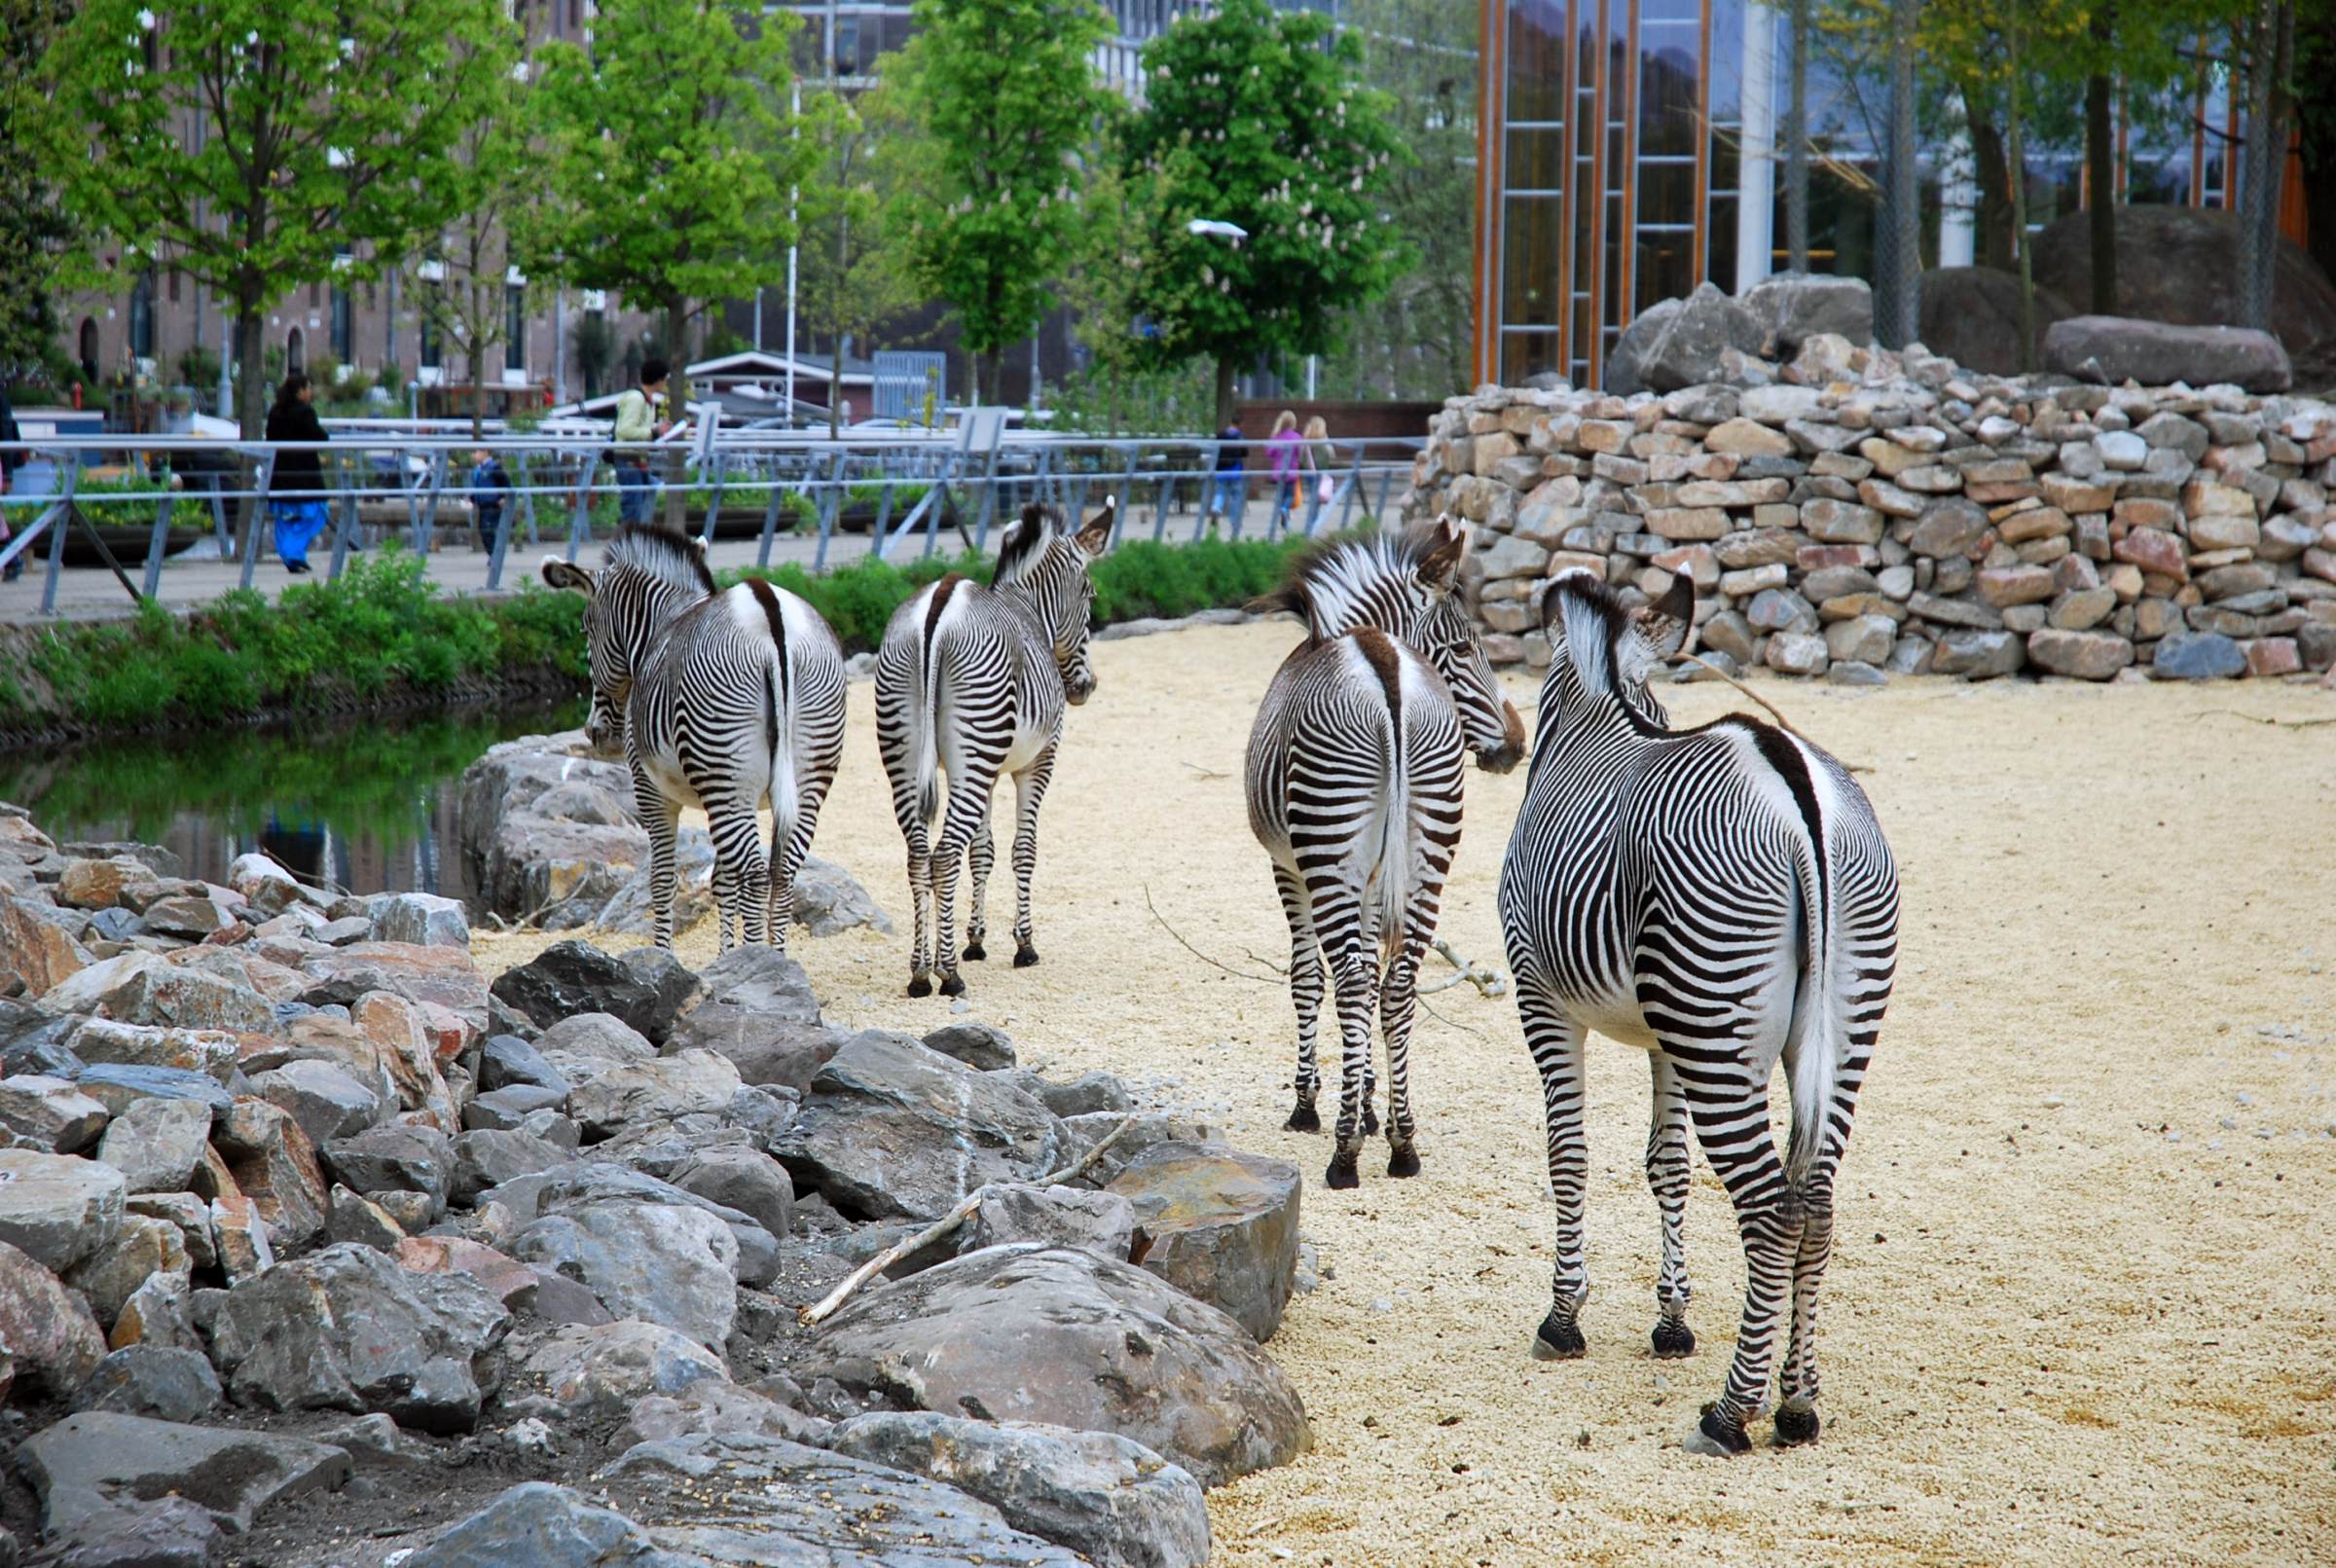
column 1774, row 713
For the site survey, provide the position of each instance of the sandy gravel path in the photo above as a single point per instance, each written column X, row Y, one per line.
column 2081, row 1308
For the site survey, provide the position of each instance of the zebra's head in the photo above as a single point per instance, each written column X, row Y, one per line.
column 1048, row 569
column 1407, row 585
column 651, row 575
column 1601, row 649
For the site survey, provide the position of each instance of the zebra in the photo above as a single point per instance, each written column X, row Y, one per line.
column 971, row 682
column 720, row 698
column 1724, row 898
column 1353, row 780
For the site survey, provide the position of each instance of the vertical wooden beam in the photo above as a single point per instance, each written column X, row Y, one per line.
column 1699, row 269
column 1493, row 29
column 1594, row 352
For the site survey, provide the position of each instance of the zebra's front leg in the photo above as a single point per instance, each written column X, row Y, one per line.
column 980, row 856
column 1357, row 980
column 1667, row 1177
column 1398, row 1000
column 657, row 820
column 737, row 859
column 1555, row 1041
column 1305, row 994
column 1030, row 791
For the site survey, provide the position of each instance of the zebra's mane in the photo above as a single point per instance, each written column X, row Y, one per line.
column 1331, row 582
column 1025, row 544
column 1591, row 616
column 673, row 559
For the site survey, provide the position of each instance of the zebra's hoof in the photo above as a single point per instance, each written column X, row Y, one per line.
column 1673, row 1340
column 1304, row 1118
column 1558, row 1340
column 1371, row 1119
column 1715, row 1436
column 953, row 986
column 920, row 987
column 1403, row 1161
column 1341, row 1173
column 1794, row 1427
column 974, row 952
column 1025, row 956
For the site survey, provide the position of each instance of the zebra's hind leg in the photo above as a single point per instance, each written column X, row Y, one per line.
column 919, row 893
column 1667, row 1178
column 1398, row 1000
column 1030, row 792
column 1797, row 1411
column 1357, row 982
column 1555, row 1041
column 1306, row 994
column 738, row 852
column 980, row 856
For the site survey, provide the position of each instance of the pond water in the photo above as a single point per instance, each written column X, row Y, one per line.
column 369, row 807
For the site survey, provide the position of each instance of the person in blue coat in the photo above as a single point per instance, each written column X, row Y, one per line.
column 296, row 494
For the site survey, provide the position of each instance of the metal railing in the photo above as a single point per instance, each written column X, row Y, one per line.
column 905, row 487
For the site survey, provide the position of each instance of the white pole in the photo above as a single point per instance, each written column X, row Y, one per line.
column 1959, row 205
column 1313, row 365
column 1755, row 200
column 559, row 346
column 795, row 108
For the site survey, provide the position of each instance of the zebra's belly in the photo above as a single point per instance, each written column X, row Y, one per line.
column 1614, row 1012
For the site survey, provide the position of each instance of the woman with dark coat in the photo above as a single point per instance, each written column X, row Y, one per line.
column 296, row 494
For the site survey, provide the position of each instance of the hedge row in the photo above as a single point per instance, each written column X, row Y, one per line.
column 384, row 630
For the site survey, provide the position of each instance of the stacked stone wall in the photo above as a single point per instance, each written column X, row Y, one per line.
column 1867, row 513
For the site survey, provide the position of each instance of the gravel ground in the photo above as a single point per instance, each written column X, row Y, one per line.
column 2080, row 1307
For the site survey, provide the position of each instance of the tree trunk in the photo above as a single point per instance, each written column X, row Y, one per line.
column 251, row 406
column 1994, row 170
column 1796, row 144
column 1225, row 392
column 1899, row 247
column 677, row 401
column 2258, row 204
column 2027, row 273
column 2100, row 170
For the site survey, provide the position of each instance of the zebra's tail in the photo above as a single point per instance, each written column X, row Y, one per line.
column 1394, row 837
column 925, row 726
column 1815, row 1059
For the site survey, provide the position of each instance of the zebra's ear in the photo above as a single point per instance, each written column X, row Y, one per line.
column 567, row 574
column 1440, row 567
column 1663, row 625
column 1096, row 537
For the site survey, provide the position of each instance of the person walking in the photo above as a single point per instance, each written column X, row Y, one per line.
column 637, row 425
column 1228, row 495
column 1321, row 459
column 296, row 489
column 1285, row 455
column 490, row 492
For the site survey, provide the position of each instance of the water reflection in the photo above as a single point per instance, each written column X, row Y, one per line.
column 369, row 807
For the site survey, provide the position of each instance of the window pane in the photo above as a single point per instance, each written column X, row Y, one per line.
column 1666, row 269
column 1720, row 247
column 1536, row 59
column 1531, row 235
column 1666, row 100
column 1528, row 354
column 1536, row 161
column 1667, row 192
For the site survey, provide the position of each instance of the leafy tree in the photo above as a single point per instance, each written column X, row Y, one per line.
column 326, row 131
column 665, row 157
column 1002, row 102
column 1256, row 119
column 592, row 340
column 34, row 228
column 493, row 177
column 850, row 267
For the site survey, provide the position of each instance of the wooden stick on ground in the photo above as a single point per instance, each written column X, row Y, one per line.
column 812, row 1316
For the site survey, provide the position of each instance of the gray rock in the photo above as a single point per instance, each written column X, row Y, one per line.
column 51, row 1342
column 1082, row 1096
column 2117, row 349
column 56, row 1209
column 152, row 1380
column 1624, row 373
column 353, row 1217
column 829, row 901
column 1797, row 653
column 1780, row 609
column 1060, row 1336
column 168, row 1532
column 157, row 1313
column 1855, row 673
column 1792, row 308
column 657, row 1262
column 2193, row 656
column 394, row 1158
column 89, row 1464
column 1015, row 1213
column 1222, row 1225
column 142, row 1248
column 537, row 1526
column 580, row 1184
column 575, row 1048
column 348, row 1330
column 1864, row 638
column 118, row 1087
column 744, row 1179
column 694, row 1081
column 484, row 1159
column 506, row 1060
column 1979, row 655
column 141, row 988
column 508, row 1110
column 1948, row 526
column 757, row 1010
column 647, row 988
column 50, row 1113
column 595, row 1372
column 2082, row 655
column 737, row 1499
column 376, row 1443
column 325, row 1097
column 894, row 1131
column 422, row 918
column 977, row 1045
column 1113, row 1501
column 1146, row 1130
column 711, row 1406
column 1688, row 346
column 189, row 915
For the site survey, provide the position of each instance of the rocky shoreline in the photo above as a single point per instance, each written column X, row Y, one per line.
column 317, row 1247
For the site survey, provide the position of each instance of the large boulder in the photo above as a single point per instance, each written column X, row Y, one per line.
column 544, row 823
column 348, row 1330
column 143, row 1248
column 1016, row 1213
column 1064, row 1337
column 144, row 987
column 536, row 1525
column 586, row 1183
column 430, row 978
column 1971, row 314
column 648, row 987
column 1223, row 1225
column 755, row 1008
column 1682, row 346
column 737, row 1499
column 91, row 1468
column 892, row 1130
column 394, row 1158
column 1113, row 1501
column 691, row 1082
column 422, row 918
column 658, row 1262
column 48, row 1342
column 37, row 951
column 2181, row 265
column 2116, row 348
column 39, row 1111
column 596, row 1372
column 1793, row 308
column 276, row 1166
column 58, row 1209
column 156, row 1380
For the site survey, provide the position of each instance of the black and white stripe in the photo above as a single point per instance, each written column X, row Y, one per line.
column 721, row 699
column 1724, row 898
column 1354, row 786
column 971, row 682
